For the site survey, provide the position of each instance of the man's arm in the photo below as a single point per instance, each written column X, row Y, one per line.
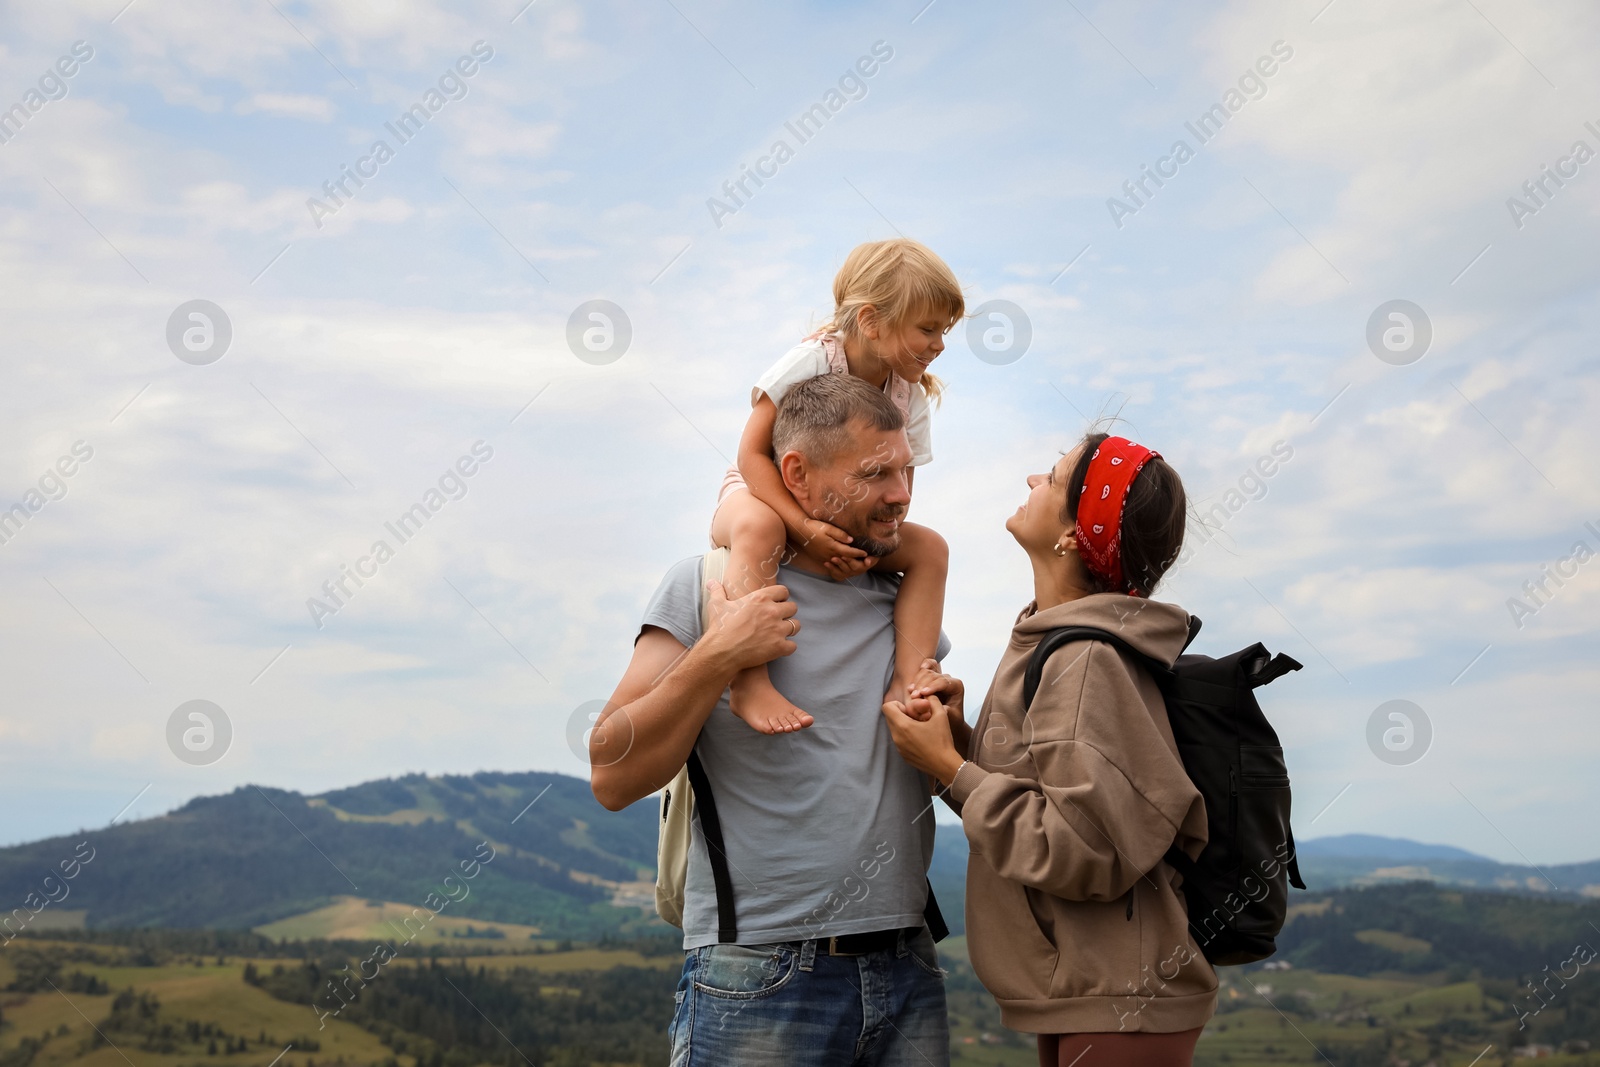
column 668, row 692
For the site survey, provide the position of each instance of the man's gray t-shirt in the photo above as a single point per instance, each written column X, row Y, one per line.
column 828, row 831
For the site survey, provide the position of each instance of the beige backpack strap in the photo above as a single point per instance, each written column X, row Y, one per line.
column 672, row 847
column 712, row 569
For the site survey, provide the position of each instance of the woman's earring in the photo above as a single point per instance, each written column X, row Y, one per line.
column 1061, row 550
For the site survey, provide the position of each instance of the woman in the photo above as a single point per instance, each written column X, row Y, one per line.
column 1073, row 922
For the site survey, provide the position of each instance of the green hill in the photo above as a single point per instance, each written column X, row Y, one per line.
column 353, row 861
column 259, row 854
column 302, row 866
column 1377, row 977
column 1421, row 928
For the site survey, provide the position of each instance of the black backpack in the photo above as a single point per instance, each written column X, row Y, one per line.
column 1238, row 889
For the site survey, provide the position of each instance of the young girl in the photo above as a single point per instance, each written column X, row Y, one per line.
column 893, row 303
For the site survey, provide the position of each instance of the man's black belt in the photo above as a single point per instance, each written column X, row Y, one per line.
column 861, row 944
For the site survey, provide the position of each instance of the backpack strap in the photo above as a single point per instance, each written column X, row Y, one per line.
column 1294, row 864
column 705, row 807
column 712, row 567
column 1273, row 669
column 1179, row 860
column 1068, row 634
column 934, row 917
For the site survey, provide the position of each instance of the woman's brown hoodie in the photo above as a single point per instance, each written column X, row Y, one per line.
column 1073, row 922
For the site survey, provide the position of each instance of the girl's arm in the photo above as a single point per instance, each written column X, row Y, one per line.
column 761, row 473
column 818, row 538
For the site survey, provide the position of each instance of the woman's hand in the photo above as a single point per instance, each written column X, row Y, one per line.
column 925, row 744
column 931, row 681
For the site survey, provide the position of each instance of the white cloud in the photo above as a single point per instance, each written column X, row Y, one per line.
column 1428, row 115
column 287, row 105
column 1389, row 542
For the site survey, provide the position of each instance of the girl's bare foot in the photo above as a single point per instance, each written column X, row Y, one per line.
column 757, row 701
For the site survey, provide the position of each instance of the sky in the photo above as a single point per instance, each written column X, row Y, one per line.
column 361, row 347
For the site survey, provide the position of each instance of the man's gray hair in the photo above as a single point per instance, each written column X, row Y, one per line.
column 815, row 416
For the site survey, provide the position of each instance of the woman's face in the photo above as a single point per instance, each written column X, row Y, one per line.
column 1037, row 523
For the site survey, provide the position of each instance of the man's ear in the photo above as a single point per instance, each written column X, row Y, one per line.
column 796, row 474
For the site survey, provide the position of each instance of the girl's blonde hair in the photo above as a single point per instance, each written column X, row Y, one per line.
column 899, row 278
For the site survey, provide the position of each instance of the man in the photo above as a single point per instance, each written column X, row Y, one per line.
column 827, row 831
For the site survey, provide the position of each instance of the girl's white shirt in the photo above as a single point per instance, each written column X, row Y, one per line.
column 825, row 355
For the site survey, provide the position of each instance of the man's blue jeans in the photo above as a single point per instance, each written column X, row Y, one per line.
column 790, row 1004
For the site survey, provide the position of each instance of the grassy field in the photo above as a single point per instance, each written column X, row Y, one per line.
column 1269, row 1019
column 1288, row 1017
column 214, row 991
column 209, row 991
column 581, row 959
column 1264, row 1018
column 356, row 919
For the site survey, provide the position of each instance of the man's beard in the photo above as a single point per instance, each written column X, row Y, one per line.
column 872, row 546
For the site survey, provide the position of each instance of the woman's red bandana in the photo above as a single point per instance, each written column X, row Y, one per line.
column 1112, row 469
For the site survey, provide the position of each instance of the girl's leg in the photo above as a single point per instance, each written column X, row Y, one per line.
column 924, row 559
column 756, row 539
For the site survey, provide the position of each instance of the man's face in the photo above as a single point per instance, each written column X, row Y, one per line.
column 863, row 490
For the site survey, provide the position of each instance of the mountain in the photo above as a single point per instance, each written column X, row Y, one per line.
column 1367, row 859
column 1347, row 860
column 1420, row 928
column 563, row 865
column 259, row 854
column 1371, row 846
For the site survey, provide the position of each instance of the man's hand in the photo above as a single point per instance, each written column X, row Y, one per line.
column 926, row 745
column 752, row 630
